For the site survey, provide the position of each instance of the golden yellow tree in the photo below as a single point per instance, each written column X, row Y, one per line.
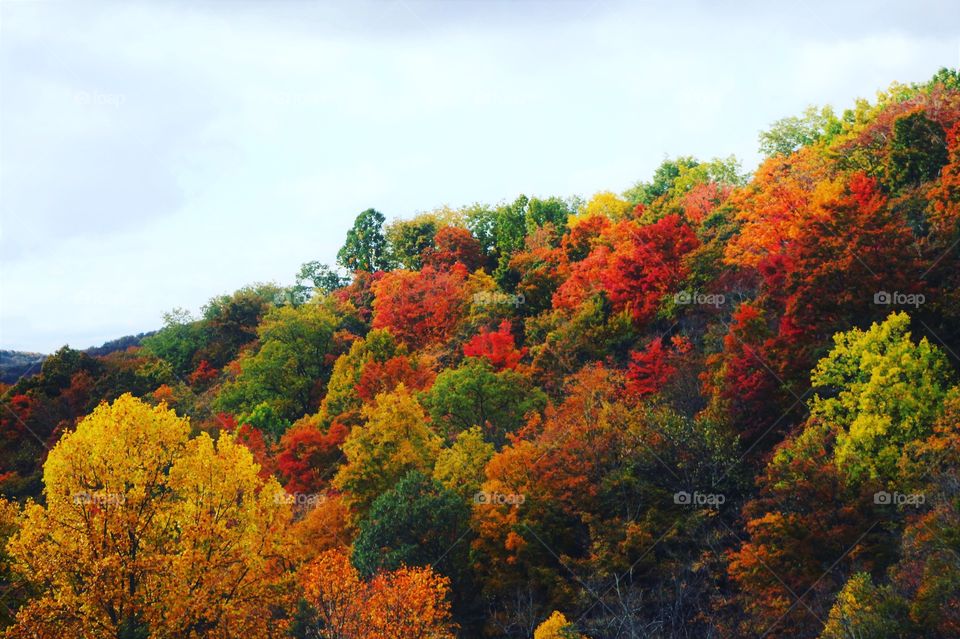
column 147, row 532
column 394, row 440
column 556, row 626
column 460, row 467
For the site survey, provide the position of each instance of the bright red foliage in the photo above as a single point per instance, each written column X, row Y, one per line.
column 421, row 308
column 203, row 374
column 252, row 438
column 383, row 377
column 308, row 456
column 498, row 347
column 635, row 267
column 650, row 369
column 453, row 245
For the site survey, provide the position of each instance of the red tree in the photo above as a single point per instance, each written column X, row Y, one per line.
column 454, row 245
column 421, row 308
column 308, row 455
column 634, row 265
column 498, row 347
column 382, row 377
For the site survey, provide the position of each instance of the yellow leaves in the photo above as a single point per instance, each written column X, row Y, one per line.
column 145, row 526
column 99, row 454
column 890, row 391
column 863, row 609
column 605, row 204
column 556, row 627
column 394, row 439
column 460, row 467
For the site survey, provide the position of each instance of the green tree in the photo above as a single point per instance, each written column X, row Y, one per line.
column 663, row 179
column 408, row 239
column 789, row 134
column 58, row 370
column 366, row 247
column 481, row 221
column 918, row 150
column 418, row 522
column 178, row 341
column 232, row 320
column 290, row 368
column 264, row 418
column 552, row 210
column 321, row 278
column 474, row 395
column 881, row 391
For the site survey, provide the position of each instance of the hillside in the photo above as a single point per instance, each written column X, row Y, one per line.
column 718, row 404
column 16, row 364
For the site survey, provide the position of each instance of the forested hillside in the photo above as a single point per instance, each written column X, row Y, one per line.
column 715, row 405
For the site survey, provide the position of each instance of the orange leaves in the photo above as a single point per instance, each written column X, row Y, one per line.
column 421, row 308
column 700, row 201
column 383, row 377
column 634, row 266
column 308, row 455
column 333, row 587
column 650, row 369
column 454, row 245
column 497, row 347
column 407, row 603
column 770, row 208
column 945, row 194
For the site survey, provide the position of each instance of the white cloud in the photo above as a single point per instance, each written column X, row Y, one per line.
column 214, row 145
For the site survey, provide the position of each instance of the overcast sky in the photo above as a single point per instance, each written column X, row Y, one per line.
column 155, row 155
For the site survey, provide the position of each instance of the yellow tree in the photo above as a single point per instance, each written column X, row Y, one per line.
column 147, row 532
column 460, row 467
column 556, row 627
column 394, row 440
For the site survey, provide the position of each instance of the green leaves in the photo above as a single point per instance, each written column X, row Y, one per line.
column 882, row 390
column 789, row 134
column 474, row 395
column 291, row 366
column 366, row 247
column 417, row 523
column 918, row 150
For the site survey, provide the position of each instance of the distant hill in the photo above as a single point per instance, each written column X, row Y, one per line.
column 119, row 344
column 17, row 364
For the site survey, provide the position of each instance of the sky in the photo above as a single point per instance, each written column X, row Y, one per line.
column 154, row 155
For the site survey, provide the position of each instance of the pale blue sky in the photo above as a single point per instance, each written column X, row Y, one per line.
column 154, row 155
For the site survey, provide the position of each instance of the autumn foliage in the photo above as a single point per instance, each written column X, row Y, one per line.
column 717, row 404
